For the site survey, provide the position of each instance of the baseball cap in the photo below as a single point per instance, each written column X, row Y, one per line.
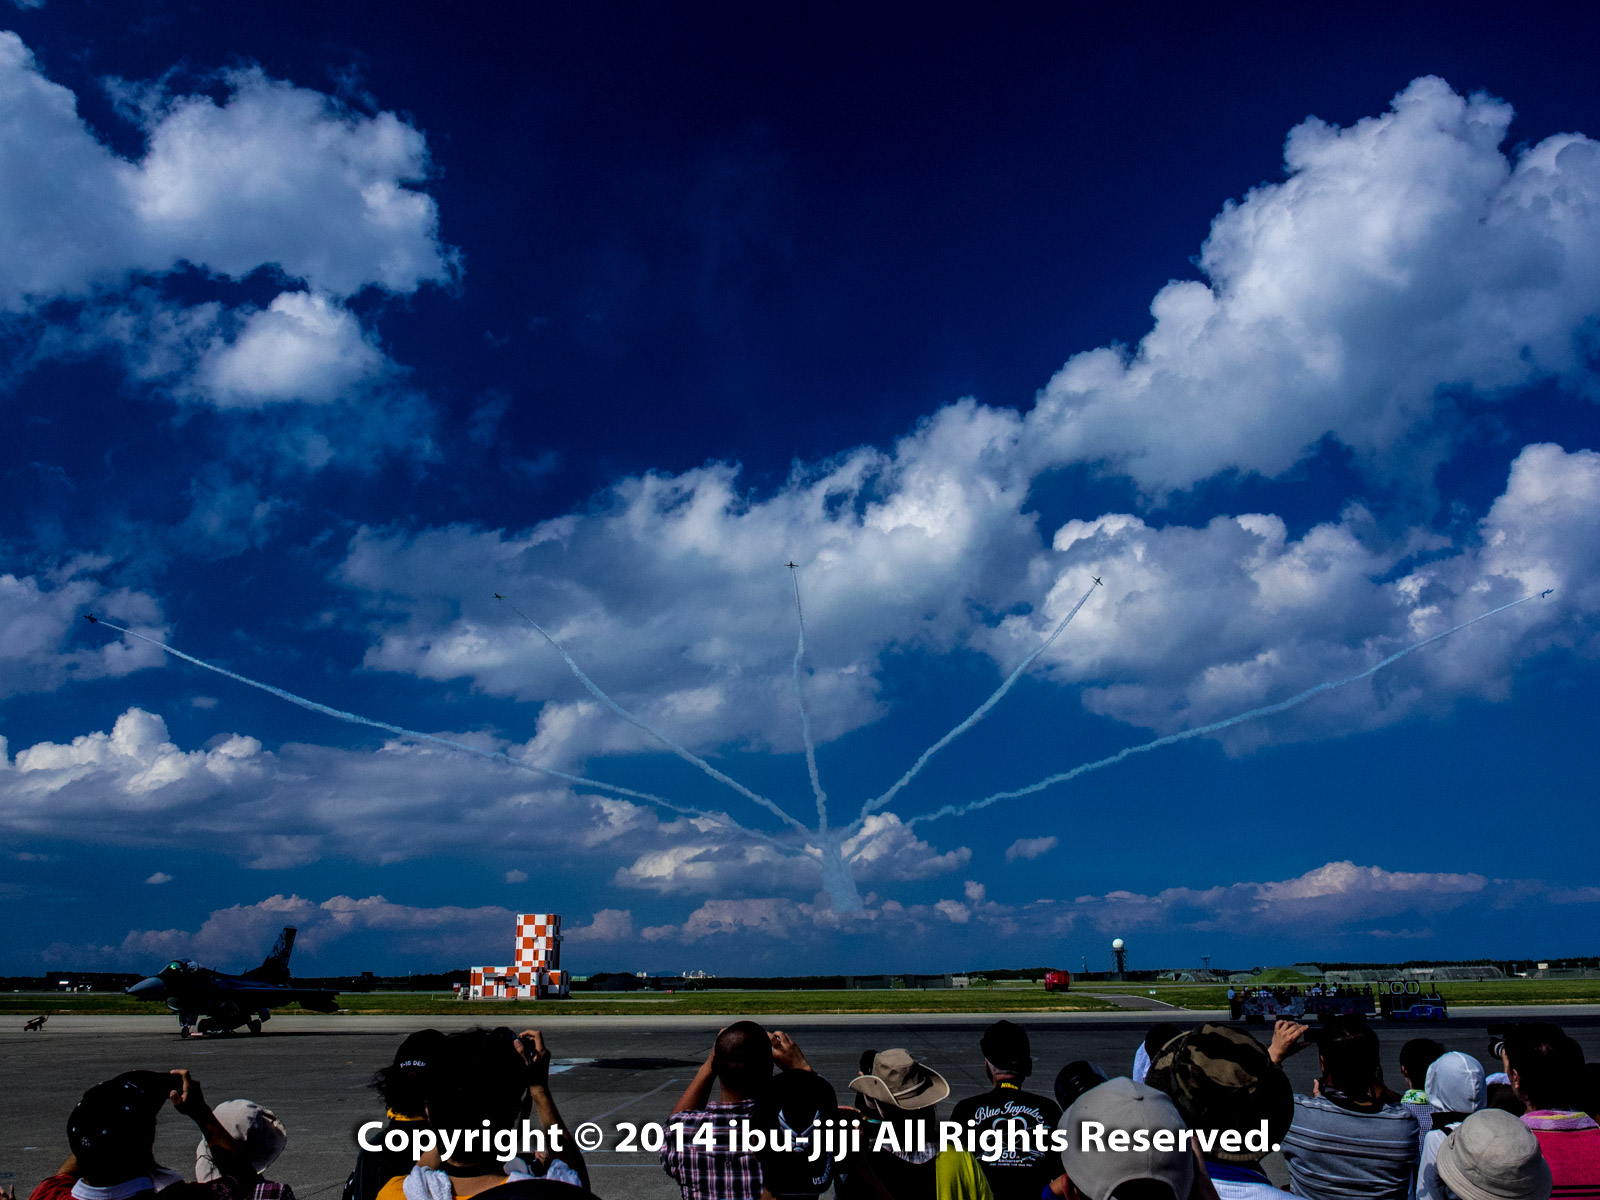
column 418, row 1050
column 1492, row 1155
column 113, row 1124
column 1222, row 1078
column 1005, row 1048
column 1121, row 1104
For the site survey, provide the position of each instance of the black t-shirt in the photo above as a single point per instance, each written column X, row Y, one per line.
column 872, row 1174
column 1017, row 1174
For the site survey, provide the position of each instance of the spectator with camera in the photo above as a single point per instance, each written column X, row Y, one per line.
column 1347, row 1138
column 111, row 1135
column 1546, row 1070
column 488, row 1081
column 741, row 1061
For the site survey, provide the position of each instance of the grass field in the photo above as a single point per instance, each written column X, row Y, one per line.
column 1497, row 991
column 1008, row 997
column 636, row 1005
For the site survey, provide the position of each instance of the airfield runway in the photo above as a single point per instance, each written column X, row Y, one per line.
column 313, row 1071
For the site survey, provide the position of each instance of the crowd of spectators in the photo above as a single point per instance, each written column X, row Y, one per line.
column 1196, row 1117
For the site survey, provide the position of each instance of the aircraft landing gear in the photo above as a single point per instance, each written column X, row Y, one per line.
column 184, row 1030
column 255, row 1024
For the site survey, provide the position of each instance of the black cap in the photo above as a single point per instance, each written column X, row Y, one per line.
column 418, row 1050
column 1005, row 1048
column 114, row 1123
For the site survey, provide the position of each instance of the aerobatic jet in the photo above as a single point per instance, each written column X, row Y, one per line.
column 208, row 1001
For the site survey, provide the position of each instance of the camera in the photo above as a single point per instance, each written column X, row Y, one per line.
column 1076, row 1078
column 1526, row 1032
column 1497, row 1038
column 156, row 1086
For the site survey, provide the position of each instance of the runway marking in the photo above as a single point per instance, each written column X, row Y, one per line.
column 622, row 1166
column 613, row 1111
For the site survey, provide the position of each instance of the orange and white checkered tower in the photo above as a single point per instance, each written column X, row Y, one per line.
column 536, row 971
column 539, row 952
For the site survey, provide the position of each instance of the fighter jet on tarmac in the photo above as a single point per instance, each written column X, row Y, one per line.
column 208, row 1001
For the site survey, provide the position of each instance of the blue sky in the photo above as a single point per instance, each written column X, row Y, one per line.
column 323, row 327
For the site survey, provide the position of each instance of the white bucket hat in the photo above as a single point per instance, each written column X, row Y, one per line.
column 257, row 1130
column 1494, row 1156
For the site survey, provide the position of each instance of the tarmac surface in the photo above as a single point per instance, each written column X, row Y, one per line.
column 313, row 1072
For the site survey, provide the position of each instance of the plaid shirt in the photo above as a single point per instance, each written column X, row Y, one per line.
column 717, row 1174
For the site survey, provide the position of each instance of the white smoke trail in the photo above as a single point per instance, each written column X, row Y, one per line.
column 872, row 806
column 497, row 755
column 953, row 810
column 687, row 755
column 805, row 717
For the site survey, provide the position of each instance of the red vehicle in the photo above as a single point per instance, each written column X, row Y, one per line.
column 1057, row 981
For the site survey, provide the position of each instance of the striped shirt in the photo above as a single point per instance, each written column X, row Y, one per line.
column 1334, row 1152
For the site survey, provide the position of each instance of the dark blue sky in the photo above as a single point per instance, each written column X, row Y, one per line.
column 324, row 325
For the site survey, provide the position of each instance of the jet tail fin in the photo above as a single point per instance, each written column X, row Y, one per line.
column 276, row 967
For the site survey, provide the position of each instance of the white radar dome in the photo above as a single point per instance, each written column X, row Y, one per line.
column 1116, row 943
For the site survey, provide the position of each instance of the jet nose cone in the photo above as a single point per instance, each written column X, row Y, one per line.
column 149, row 989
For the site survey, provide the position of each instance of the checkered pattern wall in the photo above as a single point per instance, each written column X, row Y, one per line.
column 536, row 972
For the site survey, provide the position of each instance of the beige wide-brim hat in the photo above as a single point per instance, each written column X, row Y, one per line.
column 1493, row 1156
column 257, row 1130
column 898, row 1079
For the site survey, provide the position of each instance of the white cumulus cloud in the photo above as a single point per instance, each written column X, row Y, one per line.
column 1401, row 256
column 273, row 176
column 1402, row 261
column 300, row 347
column 42, row 640
column 134, row 786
